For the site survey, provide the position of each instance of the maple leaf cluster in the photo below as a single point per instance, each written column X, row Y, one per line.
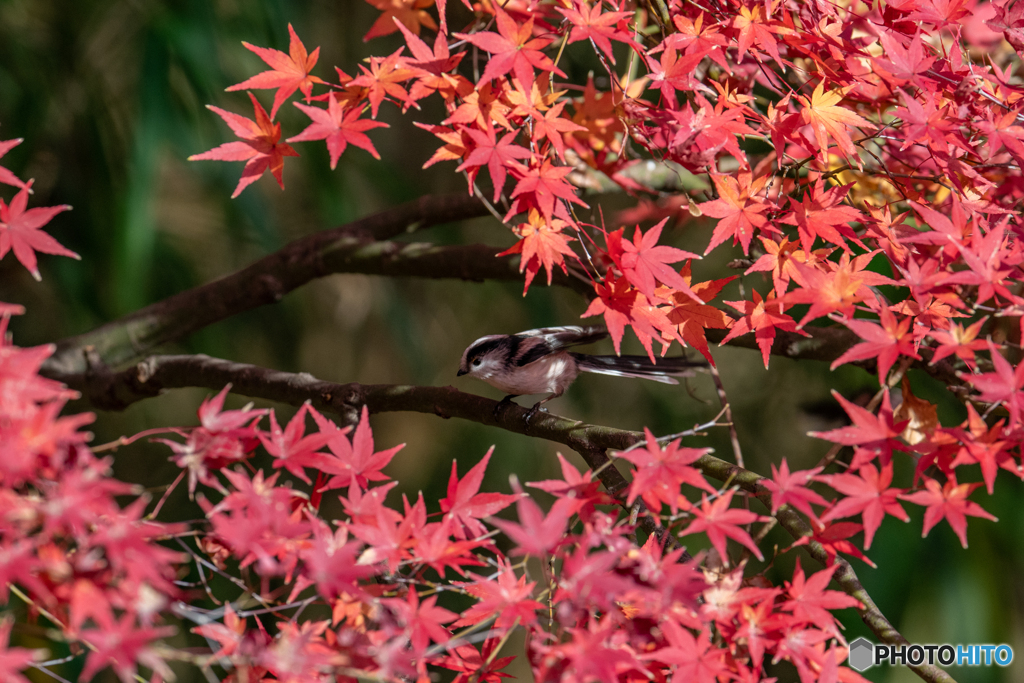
column 860, row 160
column 105, row 577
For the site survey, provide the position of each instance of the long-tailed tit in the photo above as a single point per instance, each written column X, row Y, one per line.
column 536, row 362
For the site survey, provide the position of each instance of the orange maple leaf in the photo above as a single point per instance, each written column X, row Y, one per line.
column 289, row 72
column 828, row 120
column 762, row 317
column 781, row 259
column 542, row 244
column 693, row 318
column 838, row 290
column 411, row 13
column 739, row 209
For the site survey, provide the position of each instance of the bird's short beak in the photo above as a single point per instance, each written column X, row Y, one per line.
column 460, row 373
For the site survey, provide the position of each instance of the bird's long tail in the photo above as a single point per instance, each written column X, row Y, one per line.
column 665, row 370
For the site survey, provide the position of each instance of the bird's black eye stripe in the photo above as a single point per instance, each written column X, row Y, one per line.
column 483, row 348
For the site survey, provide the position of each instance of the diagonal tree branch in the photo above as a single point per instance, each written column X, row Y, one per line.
column 116, row 390
column 266, row 281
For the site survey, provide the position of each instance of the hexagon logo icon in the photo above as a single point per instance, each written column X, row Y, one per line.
column 862, row 654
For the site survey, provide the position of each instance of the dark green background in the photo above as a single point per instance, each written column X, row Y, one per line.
column 110, row 95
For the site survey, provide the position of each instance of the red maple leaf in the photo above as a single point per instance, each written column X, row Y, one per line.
column 592, row 23
column 423, row 621
column 615, row 300
column 993, row 261
column 987, row 446
column 477, row 665
column 513, row 50
column 694, row 36
column 673, row 72
column 661, row 471
column 643, row 261
column 288, row 73
column 762, row 317
column 260, row 146
column 389, row 537
column 962, row 342
column 810, row 602
column 228, row 635
column 947, row 501
column 791, row 489
column 874, row 436
column 330, row 561
column 123, row 646
column 541, row 185
column 693, row 658
column 537, row 534
column 495, row 154
column 508, row 599
column 833, row 539
column 755, row 30
column 904, row 64
column 829, row 287
column 719, row 521
column 432, row 67
column 290, row 447
column 1002, row 386
column 353, row 461
column 583, row 489
column 20, row 231
column 821, row 214
column 553, row 126
column 739, row 211
column 465, row 506
column 339, row 125
column 867, row 494
column 621, row 304
column 885, row 342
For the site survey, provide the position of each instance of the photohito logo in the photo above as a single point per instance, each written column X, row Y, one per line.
column 865, row 654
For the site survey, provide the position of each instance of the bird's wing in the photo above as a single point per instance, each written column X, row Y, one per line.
column 552, row 339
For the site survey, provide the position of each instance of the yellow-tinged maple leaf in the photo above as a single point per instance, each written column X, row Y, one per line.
column 828, row 120
column 922, row 417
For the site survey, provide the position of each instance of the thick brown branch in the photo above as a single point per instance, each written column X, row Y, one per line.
column 266, row 281
column 148, row 378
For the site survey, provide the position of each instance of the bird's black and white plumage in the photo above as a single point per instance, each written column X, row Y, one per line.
column 536, row 361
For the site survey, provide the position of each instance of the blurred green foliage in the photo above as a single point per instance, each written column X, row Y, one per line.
column 109, row 96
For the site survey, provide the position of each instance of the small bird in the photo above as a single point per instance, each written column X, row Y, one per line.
column 536, row 362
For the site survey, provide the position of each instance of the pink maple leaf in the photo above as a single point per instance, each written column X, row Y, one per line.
column 720, row 521
column 20, row 230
